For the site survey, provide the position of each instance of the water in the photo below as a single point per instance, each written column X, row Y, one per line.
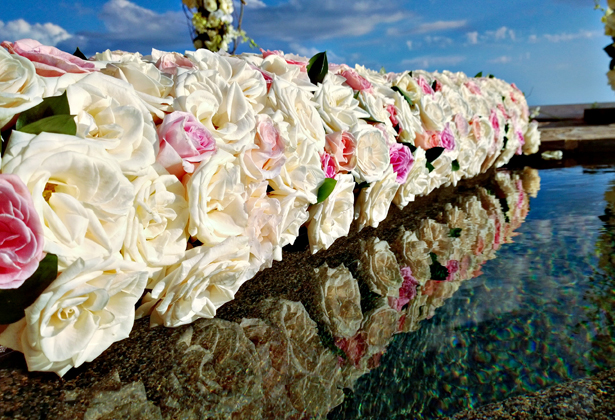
column 541, row 314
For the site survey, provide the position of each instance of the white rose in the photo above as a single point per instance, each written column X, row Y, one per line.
column 332, row 218
column 409, row 119
column 197, row 286
column 372, row 153
column 157, row 222
column 221, row 107
column 298, row 110
column 264, row 226
column 337, row 106
column 417, row 182
column 340, row 300
column 86, row 309
column 373, row 203
column 110, row 111
column 532, row 139
column 457, row 103
column 414, row 253
column 78, row 190
column 216, row 199
column 152, row 86
column 232, row 69
column 20, row 87
column 276, row 65
column 116, row 55
column 442, row 168
column 294, row 215
column 435, row 111
column 409, row 85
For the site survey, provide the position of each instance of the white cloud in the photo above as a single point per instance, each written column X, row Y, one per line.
column 564, row 37
column 46, row 33
column 409, row 44
column 500, row 34
column 472, row 37
column 438, row 41
column 532, row 39
column 501, row 60
column 297, row 21
column 439, row 26
column 426, row 62
column 253, row 4
column 305, row 51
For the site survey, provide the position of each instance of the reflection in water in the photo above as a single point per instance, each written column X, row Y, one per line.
column 291, row 363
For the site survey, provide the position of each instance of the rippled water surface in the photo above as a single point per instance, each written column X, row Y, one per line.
column 540, row 314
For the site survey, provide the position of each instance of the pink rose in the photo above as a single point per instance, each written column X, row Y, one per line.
column 354, row 80
column 453, row 267
column 354, row 347
column 21, row 233
column 393, row 117
column 519, row 135
column 428, row 139
column 268, row 156
column 503, row 111
column 341, row 147
column 447, row 139
column 495, row 123
column 438, row 86
column 407, row 291
column 48, row 61
column 328, row 165
column 473, row 87
column 184, row 142
column 462, row 125
column 402, row 160
column 476, row 130
column 427, row 90
column 170, row 62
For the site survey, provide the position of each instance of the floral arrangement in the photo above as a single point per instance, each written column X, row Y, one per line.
column 608, row 18
column 169, row 180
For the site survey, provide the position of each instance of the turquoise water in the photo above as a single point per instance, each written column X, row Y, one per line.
column 540, row 314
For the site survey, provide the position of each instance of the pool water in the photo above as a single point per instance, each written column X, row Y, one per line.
column 540, row 314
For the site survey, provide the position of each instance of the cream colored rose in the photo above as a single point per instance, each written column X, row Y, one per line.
column 435, row 111
column 531, row 181
column 298, row 110
column 417, row 182
column 408, row 84
column 414, row 253
column 195, row 287
column 294, row 215
column 221, row 107
column 157, row 222
column 86, row 309
column 216, row 199
column 532, row 139
column 78, row 190
column 109, row 111
column 20, row 87
column 409, row 119
column 340, row 300
column 332, row 218
column 152, row 86
column 277, row 66
column 436, row 236
column 264, row 226
column 372, row 154
column 373, row 203
column 234, row 70
column 379, row 267
column 337, row 106
column 379, row 325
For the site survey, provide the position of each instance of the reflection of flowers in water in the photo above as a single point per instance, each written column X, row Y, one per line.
column 414, row 254
column 340, row 300
column 380, row 268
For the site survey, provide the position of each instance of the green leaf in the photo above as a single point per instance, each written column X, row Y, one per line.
column 433, row 153
column 429, row 166
column 382, row 70
column 61, row 124
column 53, row 105
column 356, row 95
column 454, row 233
column 404, row 94
column 505, row 142
column 14, row 301
column 491, row 76
column 326, row 189
column 362, row 185
column 318, row 67
column 372, row 120
column 455, row 165
column 479, row 74
column 79, row 54
column 434, row 84
column 410, row 146
column 438, row 271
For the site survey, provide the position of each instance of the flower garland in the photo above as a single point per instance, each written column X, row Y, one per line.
column 172, row 179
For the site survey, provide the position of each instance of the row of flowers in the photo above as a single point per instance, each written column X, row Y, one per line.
column 274, row 364
column 182, row 176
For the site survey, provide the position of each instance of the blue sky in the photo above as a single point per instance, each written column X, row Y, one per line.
column 552, row 49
